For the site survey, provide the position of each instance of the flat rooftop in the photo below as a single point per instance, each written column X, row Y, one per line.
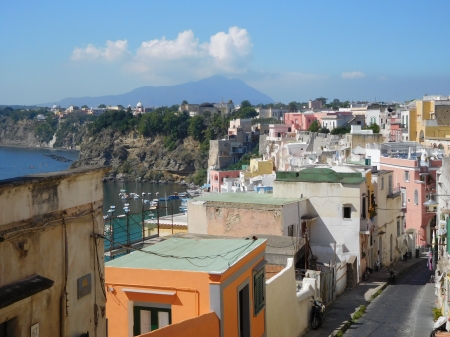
column 211, row 255
column 247, row 198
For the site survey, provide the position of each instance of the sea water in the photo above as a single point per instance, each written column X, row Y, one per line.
column 17, row 161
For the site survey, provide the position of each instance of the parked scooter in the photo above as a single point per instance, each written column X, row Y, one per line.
column 405, row 256
column 317, row 313
column 366, row 274
column 391, row 275
column 377, row 265
column 439, row 325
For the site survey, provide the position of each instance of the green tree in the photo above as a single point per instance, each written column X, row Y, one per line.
column 314, row 126
column 102, row 106
column 324, row 130
column 374, row 127
column 292, row 106
column 84, row 106
column 323, row 99
column 197, row 128
column 184, row 102
column 340, row 130
column 245, row 104
column 247, row 112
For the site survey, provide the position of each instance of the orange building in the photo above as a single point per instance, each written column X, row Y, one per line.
column 185, row 277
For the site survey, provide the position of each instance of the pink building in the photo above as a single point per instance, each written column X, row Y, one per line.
column 280, row 131
column 415, row 179
column 216, row 178
column 299, row 121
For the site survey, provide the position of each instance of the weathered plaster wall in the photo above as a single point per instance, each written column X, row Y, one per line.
column 240, row 220
column 52, row 248
column 243, row 219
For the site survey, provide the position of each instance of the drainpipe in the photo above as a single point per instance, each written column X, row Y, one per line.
column 64, row 300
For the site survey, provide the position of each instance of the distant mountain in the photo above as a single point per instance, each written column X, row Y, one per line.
column 210, row 89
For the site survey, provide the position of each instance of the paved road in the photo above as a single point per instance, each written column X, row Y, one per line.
column 402, row 310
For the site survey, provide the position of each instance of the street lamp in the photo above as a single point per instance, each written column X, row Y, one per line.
column 431, row 202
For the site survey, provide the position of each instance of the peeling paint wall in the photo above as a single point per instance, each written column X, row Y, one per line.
column 47, row 222
column 237, row 219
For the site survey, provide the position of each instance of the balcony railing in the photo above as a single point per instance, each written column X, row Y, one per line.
column 394, row 191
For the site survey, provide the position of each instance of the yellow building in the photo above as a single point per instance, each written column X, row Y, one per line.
column 430, row 122
column 258, row 167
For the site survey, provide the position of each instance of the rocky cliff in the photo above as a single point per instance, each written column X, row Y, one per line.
column 132, row 156
column 135, row 156
column 20, row 133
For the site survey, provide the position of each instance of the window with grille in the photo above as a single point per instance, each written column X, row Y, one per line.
column 258, row 290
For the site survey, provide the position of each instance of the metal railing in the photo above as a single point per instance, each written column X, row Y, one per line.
column 130, row 231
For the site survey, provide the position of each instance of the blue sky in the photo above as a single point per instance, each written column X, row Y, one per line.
column 290, row 50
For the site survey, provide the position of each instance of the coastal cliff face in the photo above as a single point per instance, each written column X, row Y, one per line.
column 135, row 156
column 20, row 133
column 131, row 155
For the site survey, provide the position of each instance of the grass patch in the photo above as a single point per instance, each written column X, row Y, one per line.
column 357, row 315
column 374, row 296
column 437, row 313
column 340, row 334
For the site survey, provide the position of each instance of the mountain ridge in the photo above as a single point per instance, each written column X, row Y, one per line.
column 211, row 89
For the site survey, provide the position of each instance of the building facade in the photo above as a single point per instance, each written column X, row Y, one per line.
column 51, row 282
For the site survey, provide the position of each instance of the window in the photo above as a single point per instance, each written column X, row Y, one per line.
column 258, row 290
column 416, row 197
column 291, row 230
column 406, row 175
column 148, row 319
column 398, row 227
column 403, row 190
column 347, row 212
column 382, row 183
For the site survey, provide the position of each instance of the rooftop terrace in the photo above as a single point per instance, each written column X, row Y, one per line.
column 211, row 255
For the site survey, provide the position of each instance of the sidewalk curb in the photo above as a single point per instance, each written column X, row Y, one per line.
column 346, row 324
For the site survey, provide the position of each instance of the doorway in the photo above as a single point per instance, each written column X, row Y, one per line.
column 244, row 311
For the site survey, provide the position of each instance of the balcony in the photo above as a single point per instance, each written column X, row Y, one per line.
column 394, row 191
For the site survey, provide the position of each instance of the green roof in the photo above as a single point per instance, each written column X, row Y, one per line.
column 321, row 175
column 247, row 198
column 197, row 254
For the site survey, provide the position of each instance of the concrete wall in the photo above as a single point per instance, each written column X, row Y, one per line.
column 54, row 215
column 197, row 221
column 287, row 311
column 206, row 325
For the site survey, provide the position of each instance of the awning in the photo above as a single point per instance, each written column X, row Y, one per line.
column 17, row 291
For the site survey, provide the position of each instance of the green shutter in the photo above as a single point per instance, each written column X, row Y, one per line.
column 448, row 233
column 258, row 290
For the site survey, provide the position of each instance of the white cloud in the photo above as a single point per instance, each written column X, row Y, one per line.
column 114, row 50
column 182, row 57
column 353, row 75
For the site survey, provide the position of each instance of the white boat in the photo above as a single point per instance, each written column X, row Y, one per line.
column 157, row 193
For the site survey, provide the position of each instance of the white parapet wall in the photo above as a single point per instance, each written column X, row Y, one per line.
column 287, row 311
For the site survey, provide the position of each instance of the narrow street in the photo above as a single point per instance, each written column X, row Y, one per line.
column 403, row 309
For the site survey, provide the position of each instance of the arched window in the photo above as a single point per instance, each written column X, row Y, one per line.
column 416, row 197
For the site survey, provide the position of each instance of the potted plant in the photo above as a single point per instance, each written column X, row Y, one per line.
column 373, row 212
